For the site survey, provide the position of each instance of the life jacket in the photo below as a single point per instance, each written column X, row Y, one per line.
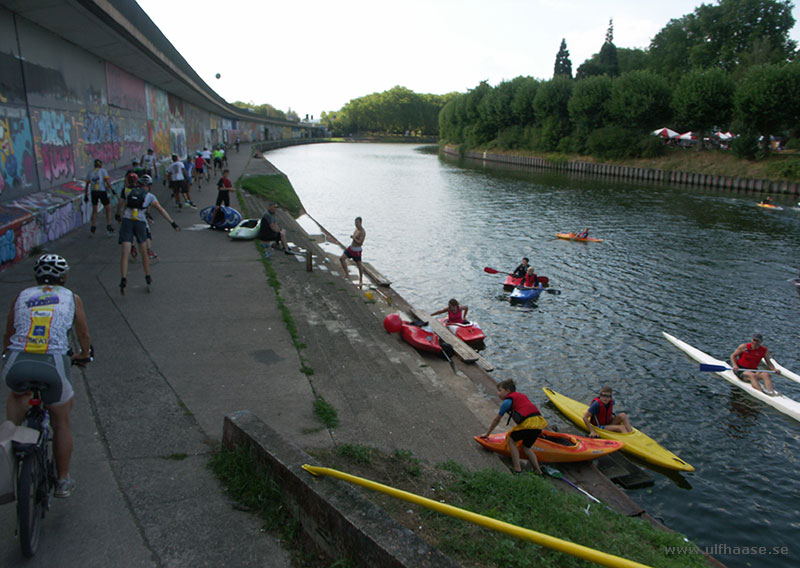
column 605, row 414
column 521, row 407
column 530, row 281
column 751, row 357
column 454, row 316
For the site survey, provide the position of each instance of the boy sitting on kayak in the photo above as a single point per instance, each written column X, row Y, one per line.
column 583, row 235
column 530, row 280
column 530, row 424
column 600, row 414
column 522, row 269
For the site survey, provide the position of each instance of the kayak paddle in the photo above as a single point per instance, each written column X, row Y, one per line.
column 705, row 368
column 556, row 474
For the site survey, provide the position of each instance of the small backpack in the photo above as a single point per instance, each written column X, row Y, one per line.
column 135, row 198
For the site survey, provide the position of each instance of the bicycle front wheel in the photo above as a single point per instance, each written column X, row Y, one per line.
column 29, row 503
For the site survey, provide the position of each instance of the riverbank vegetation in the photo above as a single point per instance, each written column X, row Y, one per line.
column 695, row 77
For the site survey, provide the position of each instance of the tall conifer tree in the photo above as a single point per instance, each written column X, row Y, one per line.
column 563, row 64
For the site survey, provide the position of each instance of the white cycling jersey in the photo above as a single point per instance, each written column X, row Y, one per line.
column 43, row 316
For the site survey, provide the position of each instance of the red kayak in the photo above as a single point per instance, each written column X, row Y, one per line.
column 469, row 332
column 556, row 447
column 420, row 338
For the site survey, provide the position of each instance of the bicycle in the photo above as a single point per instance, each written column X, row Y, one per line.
column 35, row 470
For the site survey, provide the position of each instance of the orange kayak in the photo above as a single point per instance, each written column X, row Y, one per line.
column 556, row 447
column 571, row 237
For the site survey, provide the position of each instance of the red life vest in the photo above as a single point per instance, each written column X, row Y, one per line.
column 605, row 415
column 530, row 281
column 454, row 316
column 521, row 407
column 750, row 358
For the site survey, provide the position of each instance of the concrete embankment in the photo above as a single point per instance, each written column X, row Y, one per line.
column 730, row 183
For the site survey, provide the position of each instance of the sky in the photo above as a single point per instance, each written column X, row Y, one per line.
column 316, row 55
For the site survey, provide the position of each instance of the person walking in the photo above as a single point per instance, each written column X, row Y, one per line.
column 35, row 348
column 353, row 252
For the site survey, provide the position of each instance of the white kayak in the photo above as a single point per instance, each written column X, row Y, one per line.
column 780, row 402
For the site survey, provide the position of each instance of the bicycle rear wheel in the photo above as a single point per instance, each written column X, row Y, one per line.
column 29, row 503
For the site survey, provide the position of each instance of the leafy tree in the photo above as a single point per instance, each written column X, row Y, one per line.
column 563, row 65
column 640, row 100
column 765, row 100
column 552, row 114
column 263, row 109
column 632, row 59
column 522, row 103
column 733, row 34
column 588, row 107
column 604, row 63
column 703, row 99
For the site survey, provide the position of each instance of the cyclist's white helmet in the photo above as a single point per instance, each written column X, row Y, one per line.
column 145, row 180
column 51, row 268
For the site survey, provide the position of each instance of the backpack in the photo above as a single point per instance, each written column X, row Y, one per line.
column 135, row 198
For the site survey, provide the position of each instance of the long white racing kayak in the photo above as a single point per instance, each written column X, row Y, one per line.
column 779, row 402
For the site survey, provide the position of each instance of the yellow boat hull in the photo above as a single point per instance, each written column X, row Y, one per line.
column 636, row 442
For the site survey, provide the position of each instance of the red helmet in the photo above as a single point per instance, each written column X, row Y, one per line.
column 131, row 180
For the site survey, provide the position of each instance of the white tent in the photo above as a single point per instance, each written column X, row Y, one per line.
column 665, row 133
column 724, row 135
column 688, row 136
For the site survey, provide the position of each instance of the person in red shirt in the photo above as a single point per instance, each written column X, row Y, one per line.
column 745, row 361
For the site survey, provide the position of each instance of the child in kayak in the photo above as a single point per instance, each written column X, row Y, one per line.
column 600, row 414
column 583, row 235
column 529, row 420
column 456, row 313
column 530, row 280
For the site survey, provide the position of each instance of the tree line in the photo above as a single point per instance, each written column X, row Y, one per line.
column 729, row 66
column 398, row 111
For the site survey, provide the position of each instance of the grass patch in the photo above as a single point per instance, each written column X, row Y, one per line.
column 525, row 500
column 275, row 187
column 326, row 413
column 246, row 483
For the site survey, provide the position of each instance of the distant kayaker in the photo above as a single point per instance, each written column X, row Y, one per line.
column 600, row 414
column 522, row 269
column 767, row 200
column 583, row 235
column 529, row 420
column 748, row 356
column 456, row 313
column 353, row 252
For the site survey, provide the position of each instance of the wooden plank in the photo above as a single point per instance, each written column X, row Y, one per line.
column 464, row 351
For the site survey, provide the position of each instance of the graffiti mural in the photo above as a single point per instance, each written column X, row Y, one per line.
column 100, row 138
column 53, row 138
column 125, row 90
column 17, row 167
column 134, row 138
column 158, row 120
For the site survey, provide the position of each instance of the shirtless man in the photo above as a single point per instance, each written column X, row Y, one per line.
column 353, row 252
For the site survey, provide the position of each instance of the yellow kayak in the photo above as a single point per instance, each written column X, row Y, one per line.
column 636, row 442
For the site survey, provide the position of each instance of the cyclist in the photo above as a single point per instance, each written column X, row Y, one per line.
column 36, row 346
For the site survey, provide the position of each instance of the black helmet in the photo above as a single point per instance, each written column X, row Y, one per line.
column 51, row 268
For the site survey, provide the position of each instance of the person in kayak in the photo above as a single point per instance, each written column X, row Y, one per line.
column 583, row 235
column 746, row 359
column 456, row 313
column 522, row 269
column 600, row 414
column 529, row 420
column 766, row 201
column 530, row 280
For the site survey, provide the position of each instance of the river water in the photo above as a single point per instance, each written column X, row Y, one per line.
column 707, row 267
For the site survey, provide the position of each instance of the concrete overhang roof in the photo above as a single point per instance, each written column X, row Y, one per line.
column 122, row 33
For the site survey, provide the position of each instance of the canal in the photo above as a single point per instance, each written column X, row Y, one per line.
column 708, row 267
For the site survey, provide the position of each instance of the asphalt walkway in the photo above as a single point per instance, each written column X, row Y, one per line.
column 209, row 340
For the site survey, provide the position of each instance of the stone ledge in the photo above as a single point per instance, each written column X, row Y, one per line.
column 339, row 520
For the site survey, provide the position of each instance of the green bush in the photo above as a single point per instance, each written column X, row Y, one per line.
column 793, row 144
column 651, row 147
column 787, row 168
column 745, row 146
column 613, row 143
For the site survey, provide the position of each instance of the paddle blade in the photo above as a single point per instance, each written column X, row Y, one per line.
column 552, row 291
column 705, row 368
column 490, row 270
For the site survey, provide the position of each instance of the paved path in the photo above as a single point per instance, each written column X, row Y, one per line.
column 207, row 341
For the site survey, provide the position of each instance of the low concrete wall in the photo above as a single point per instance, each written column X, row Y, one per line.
column 338, row 519
column 628, row 172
